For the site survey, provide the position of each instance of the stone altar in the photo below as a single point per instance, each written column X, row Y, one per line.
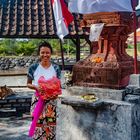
column 109, row 65
column 115, row 115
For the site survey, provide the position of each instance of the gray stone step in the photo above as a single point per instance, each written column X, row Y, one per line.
column 7, row 112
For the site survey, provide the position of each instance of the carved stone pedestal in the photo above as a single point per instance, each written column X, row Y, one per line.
column 110, row 66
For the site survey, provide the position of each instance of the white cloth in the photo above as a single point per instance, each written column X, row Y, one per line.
column 94, row 6
column 62, row 17
column 95, row 31
column 46, row 72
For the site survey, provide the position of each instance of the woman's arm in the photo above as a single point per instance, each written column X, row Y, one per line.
column 30, row 85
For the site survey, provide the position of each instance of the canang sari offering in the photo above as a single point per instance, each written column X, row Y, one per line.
column 51, row 88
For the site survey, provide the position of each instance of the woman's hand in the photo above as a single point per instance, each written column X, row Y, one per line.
column 53, row 97
column 40, row 90
column 31, row 86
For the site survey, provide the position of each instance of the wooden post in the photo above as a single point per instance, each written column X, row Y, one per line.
column 135, row 38
column 62, row 55
column 77, row 49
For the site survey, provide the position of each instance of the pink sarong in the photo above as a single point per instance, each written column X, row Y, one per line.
column 36, row 113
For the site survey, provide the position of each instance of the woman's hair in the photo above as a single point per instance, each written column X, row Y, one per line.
column 44, row 44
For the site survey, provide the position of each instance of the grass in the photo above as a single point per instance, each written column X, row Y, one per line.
column 131, row 52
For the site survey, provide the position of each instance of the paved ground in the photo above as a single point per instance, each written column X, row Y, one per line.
column 14, row 128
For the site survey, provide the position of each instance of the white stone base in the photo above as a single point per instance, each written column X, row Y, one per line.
column 134, row 80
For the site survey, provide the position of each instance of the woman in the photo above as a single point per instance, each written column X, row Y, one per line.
column 45, row 128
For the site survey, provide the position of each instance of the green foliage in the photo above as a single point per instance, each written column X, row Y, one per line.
column 2, row 50
column 7, row 46
column 68, row 47
column 25, row 49
column 130, row 46
column 130, row 49
column 18, row 46
column 138, row 46
column 55, row 45
column 28, row 47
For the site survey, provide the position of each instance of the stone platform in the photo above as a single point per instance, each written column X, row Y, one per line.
column 105, row 119
column 17, row 103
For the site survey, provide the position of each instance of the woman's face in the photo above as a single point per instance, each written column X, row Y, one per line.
column 45, row 54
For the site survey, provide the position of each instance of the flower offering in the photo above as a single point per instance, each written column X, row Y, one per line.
column 51, row 87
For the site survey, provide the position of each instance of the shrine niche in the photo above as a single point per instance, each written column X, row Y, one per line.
column 108, row 65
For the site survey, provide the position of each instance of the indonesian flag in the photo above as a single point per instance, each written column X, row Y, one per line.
column 62, row 17
column 93, row 6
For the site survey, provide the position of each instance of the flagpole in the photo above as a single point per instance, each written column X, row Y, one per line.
column 62, row 54
column 135, row 40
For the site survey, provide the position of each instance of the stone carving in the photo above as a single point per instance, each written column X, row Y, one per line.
column 5, row 91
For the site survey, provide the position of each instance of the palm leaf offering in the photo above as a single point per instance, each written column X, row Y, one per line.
column 90, row 97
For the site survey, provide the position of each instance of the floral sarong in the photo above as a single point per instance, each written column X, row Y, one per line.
column 46, row 125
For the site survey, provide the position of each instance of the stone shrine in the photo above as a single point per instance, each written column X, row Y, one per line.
column 115, row 113
column 108, row 65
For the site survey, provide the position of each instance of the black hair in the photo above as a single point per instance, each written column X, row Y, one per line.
column 44, row 44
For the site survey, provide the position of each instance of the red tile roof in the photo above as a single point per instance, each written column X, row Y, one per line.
column 31, row 18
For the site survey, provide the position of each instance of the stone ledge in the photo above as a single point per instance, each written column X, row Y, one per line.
column 19, row 101
column 134, row 80
column 81, row 103
column 101, row 93
column 115, row 121
column 7, row 112
column 132, row 99
column 100, row 103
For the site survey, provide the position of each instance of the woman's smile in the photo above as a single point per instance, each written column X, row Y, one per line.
column 45, row 54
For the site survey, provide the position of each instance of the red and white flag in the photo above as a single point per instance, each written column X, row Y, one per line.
column 94, row 6
column 62, row 17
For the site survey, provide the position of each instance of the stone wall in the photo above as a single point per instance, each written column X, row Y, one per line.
column 8, row 63
column 108, row 122
column 104, row 119
column 17, row 103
